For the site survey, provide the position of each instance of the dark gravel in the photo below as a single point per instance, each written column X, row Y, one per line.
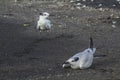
column 27, row 54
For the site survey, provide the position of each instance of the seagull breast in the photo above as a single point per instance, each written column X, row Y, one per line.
column 44, row 24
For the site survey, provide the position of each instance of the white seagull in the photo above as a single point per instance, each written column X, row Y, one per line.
column 81, row 60
column 43, row 23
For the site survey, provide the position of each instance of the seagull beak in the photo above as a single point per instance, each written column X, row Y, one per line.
column 40, row 13
column 66, row 65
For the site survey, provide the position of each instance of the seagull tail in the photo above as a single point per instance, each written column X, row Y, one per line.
column 91, row 43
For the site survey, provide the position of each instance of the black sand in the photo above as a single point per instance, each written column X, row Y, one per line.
column 27, row 54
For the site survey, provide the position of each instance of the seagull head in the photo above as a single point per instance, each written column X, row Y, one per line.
column 70, row 62
column 44, row 15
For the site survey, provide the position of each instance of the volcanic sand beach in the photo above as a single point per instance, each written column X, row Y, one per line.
column 28, row 54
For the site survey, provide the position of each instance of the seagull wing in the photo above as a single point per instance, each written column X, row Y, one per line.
column 48, row 23
column 86, row 60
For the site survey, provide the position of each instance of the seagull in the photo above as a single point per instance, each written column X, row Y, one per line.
column 43, row 23
column 81, row 60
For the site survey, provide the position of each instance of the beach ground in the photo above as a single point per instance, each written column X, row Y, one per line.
column 29, row 54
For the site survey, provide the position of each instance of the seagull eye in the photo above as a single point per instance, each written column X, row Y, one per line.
column 40, row 14
column 45, row 14
column 88, row 51
column 75, row 59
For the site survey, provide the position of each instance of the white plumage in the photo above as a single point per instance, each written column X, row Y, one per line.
column 81, row 60
column 43, row 23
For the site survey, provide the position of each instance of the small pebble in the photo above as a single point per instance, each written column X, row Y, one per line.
column 68, row 74
column 78, row 4
column 113, row 5
column 84, row 0
column 113, row 26
column 50, row 69
column 71, row 1
column 101, row 9
column 117, row 17
column 78, row 7
column 26, row 24
column 118, row 0
column 92, row 0
column 100, row 5
column 114, row 22
column 84, row 6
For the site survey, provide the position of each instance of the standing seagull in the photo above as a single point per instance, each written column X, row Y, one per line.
column 43, row 23
column 81, row 60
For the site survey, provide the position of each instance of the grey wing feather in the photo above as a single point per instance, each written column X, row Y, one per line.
column 48, row 23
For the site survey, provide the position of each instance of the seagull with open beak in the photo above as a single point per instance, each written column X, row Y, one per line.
column 43, row 23
column 81, row 60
